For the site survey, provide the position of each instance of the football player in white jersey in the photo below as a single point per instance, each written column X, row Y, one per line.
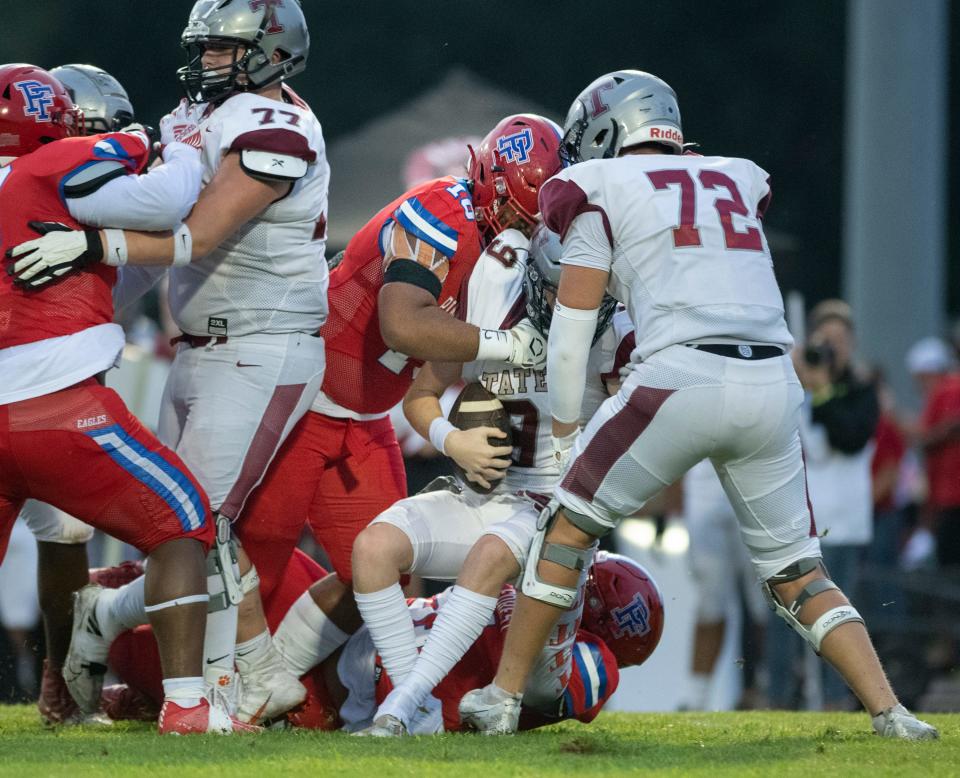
column 481, row 540
column 678, row 239
column 248, row 289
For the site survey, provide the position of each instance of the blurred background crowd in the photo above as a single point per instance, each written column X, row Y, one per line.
column 847, row 104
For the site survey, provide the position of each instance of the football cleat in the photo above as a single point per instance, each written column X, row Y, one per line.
column 86, row 661
column 384, row 726
column 55, row 704
column 122, row 703
column 898, row 722
column 488, row 713
column 201, row 719
column 268, row 690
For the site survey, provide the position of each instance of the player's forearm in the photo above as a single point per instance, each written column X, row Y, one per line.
column 430, row 333
column 421, row 408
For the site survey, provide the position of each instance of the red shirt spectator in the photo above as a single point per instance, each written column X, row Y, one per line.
column 940, row 424
column 885, row 467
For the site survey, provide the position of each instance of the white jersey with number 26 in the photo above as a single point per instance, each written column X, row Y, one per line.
column 682, row 239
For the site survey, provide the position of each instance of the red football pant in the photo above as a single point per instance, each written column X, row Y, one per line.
column 336, row 474
column 83, row 452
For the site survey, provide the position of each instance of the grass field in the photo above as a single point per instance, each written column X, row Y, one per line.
column 716, row 744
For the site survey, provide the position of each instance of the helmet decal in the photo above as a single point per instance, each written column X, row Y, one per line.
column 597, row 104
column 632, row 619
column 37, row 98
column 516, row 147
column 273, row 24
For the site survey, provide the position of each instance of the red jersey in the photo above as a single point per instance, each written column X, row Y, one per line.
column 943, row 461
column 362, row 374
column 591, row 678
column 34, row 188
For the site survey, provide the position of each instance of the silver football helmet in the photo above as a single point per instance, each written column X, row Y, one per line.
column 542, row 280
column 256, row 30
column 621, row 109
column 103, row 100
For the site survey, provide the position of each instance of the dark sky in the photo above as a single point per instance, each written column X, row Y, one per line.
column 757, row 79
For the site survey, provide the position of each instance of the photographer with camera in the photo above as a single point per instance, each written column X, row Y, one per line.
column 839, row 420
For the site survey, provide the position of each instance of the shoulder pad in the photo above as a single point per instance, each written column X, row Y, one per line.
column 88, row 178
column 272, row 166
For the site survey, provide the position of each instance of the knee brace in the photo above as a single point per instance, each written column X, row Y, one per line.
column 570, row 557
column 826, row 623
column 250, row 580
column 222, row 563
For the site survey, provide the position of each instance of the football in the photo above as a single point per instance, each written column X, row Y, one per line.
column 476, row 407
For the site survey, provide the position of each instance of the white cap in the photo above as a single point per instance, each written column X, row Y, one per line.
column 929, row 355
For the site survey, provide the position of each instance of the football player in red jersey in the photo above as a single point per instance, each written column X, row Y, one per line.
column 64, row 438
column 392, row 300
column 578, row 671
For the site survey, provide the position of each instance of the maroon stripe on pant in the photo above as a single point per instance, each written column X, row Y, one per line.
column 613, row 440
column 266, row 441
column 806, row 493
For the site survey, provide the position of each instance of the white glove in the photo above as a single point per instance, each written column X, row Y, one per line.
column 59, row 251
column 528, row 348
column 563, row 448
column 181, row 125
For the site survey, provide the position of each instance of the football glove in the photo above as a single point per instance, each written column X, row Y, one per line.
column 59, row 250
column 181, row 125
column 528, row 348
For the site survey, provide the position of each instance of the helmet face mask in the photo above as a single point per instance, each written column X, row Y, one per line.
column 268, row 39
column 542, row 280
column 507, row 169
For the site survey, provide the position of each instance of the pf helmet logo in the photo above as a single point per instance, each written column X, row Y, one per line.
column 632, row 619
column 37, row 97
column 271, row 5
column 516, row 147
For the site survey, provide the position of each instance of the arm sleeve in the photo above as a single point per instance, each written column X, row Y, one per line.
column 568, row 351
column 849, row 418
column 158, row 200
column 586, row 243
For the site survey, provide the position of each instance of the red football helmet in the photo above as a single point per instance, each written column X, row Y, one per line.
column 35, row 109
column 623, row 607
column 507, row 170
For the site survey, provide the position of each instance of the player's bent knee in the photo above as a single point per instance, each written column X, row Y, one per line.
column 810, row 575
column 546, row 546
column 378, row 545
column 490, row 559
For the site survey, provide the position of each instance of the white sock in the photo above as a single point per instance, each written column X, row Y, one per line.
column 391, row 627
column 459, row 623
column 121, row 609
column 185, row 692
column 307, row 636
column 698, row 694
column 251, row 652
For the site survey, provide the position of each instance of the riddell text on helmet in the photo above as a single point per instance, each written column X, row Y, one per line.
column 666, row 133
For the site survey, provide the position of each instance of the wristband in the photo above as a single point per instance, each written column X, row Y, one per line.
column 439, row 429
column 182, row 245
column 495, row 346
column 115, row 250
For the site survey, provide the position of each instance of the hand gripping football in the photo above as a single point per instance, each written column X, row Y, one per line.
column 476, row 407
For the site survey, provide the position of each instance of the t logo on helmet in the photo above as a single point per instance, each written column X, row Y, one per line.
column 37, row 98
column 597, row 106
column 273, row 25
column 632, row 619
column 516, row 147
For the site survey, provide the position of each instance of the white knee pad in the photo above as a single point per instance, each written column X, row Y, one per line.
column 52, row 525
column 570, row 557
column 826, row 623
